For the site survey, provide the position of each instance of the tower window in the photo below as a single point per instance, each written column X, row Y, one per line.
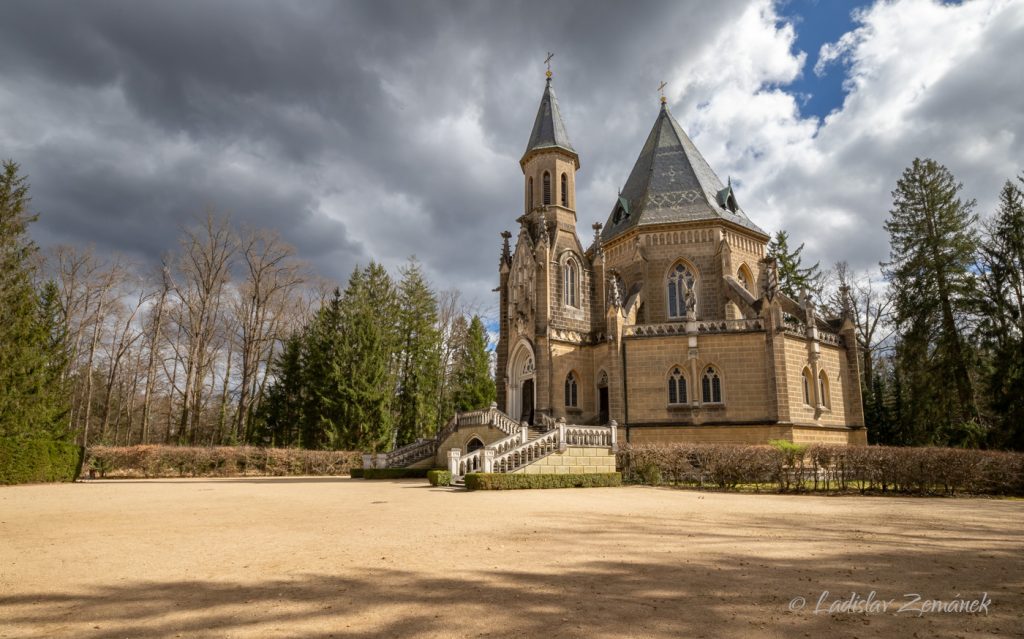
column 529, row 197
column 807, row 384
column 570, row 281
column 565, row 190
column 681, row 293
column 823, row 396
column 711, row 386
column 571, row 391
column 676, row 387
column 547, row 188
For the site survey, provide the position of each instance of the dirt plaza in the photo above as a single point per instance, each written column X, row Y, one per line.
column 340, row 557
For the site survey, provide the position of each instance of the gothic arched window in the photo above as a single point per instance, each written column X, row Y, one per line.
column 565, row 190
column 570, row 281
column 681, row 284
column 711, row 386
column 547, row 188
column 571, row 390
column 807, row 385
column 677, row 387
column 823, row 396
column 743, row 278
column 530, row 196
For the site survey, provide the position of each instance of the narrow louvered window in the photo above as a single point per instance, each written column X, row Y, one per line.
column 547, row 188
column 530, row 196
column 565, row 190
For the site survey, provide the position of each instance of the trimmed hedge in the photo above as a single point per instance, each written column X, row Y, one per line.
column 508, row 481
column 356, row 473
column 827, row 468
column 439, row 477
column 36, row 460
column 217, row 461
column 394, row 473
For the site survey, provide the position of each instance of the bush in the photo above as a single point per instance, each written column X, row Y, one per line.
column 508, row 481
column 439, row 478
column 36, row 460
column 356, row 473
column 394, row 473
column 218, row 461
column 819, row 467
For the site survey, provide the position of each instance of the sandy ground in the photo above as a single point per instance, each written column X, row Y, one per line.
column 336, row 557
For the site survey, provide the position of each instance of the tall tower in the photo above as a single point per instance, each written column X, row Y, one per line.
column 549, row 165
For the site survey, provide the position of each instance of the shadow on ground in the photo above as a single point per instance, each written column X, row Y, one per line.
column 664, row 595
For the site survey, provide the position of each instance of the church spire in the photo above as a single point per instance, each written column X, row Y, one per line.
column 548, row 128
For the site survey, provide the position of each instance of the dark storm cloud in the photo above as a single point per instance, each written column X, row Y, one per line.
column 372, row 130
column 333, row 106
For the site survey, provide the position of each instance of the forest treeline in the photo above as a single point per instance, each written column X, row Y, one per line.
column 229, row 340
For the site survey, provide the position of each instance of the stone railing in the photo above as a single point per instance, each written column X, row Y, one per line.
column 489, row 417
column 687, row 327
column 830, row 338
column 412, row 453
column 589, row 436
column 526, row 453
column 515, row 451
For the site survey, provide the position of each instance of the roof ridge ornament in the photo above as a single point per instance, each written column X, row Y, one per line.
column 661, row 90
column 547, row 61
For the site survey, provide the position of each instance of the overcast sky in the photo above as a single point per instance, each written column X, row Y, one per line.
column 376, row 130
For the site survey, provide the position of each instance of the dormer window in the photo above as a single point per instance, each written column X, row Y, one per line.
column 621, row 211
column 727, row 199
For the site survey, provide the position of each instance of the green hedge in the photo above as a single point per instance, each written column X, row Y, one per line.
column 355, row 473
column 394, row 473
column 36, row 460
column 826, row 468
column 439, row 478
column 506, row 481
column 217, row 461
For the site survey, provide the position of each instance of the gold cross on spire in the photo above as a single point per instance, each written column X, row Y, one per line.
column 547, row 61
column 661, row 90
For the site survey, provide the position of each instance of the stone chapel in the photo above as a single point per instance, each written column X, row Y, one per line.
column 669, row 322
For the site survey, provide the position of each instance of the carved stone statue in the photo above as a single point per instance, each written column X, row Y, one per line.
column 616, row 293
column 691, row 302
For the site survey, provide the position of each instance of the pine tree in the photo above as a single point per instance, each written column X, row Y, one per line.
column 323, row 382
column 794, row 279
column 1001, row 309
column 280, row 417
column 932, row 249
column 474, row 386
column 420, row 371
column 29, row 405
column 364, row 366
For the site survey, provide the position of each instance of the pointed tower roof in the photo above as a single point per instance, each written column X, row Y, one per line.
column 549, row 129
column 672, row 182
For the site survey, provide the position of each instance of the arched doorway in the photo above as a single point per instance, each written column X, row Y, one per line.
column 521, row 386
column 526, row 412
column 602, row 398
column 474, row 444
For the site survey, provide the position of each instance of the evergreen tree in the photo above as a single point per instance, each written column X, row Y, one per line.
column 364, row 366
column 474, row 386
column 793, row 277
column 323, row 377
column 29, row 405
column 280, row 417
column 1001, row 309
column 932, row 248
column 419, row 376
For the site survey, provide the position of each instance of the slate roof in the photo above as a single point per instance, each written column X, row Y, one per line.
column 548, row 128
column 672, row 182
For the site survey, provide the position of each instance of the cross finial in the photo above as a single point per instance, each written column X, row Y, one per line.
column 547, row 61
column 661, row 90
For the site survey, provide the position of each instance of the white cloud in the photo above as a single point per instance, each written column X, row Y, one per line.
column 923, row 80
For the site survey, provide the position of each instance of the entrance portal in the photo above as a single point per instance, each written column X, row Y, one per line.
column 527, row 395
column 602, row 394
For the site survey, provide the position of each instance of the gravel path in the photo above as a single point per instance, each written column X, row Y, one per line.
column 336, row 557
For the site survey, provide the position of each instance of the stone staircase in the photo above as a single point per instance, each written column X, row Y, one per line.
column 523, row 445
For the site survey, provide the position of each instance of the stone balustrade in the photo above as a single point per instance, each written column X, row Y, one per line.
column 684, row 327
